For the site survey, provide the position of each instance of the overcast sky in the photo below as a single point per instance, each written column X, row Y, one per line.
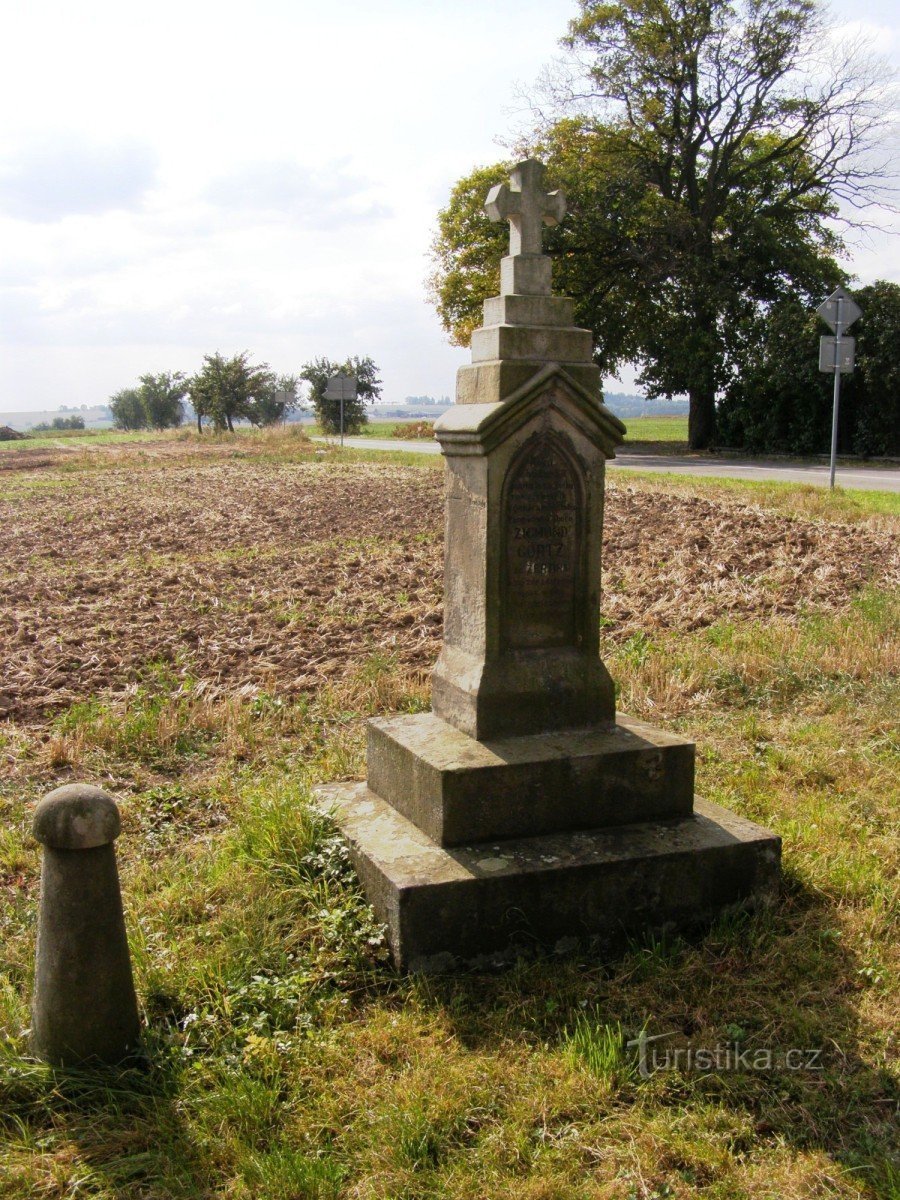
column 179, row 178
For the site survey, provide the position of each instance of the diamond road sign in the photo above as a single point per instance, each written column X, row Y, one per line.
column 828, row 310
column 846, row 356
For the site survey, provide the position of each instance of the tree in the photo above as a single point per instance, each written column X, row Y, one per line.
column 328, row 412
column 162, row 399
column 780, row 401
column 271, row 403
column 733, row 159
column 227, row 389
column 874, row 387
column 127, row 409
column 61, row 424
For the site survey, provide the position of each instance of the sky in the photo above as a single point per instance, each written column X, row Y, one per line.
column 181, row 178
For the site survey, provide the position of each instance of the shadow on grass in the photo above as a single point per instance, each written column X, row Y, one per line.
column 110, row 1131
column 772, row 997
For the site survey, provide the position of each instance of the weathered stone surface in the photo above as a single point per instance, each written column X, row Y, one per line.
column 526, row 275
column 76, row 817
column 522, row 561
column 491, row 382
column 529, row 310
column 458, row 790
column 546, row 343
column 84, row 1007
column 466, row 906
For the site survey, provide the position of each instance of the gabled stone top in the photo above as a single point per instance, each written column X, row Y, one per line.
column 478, row 428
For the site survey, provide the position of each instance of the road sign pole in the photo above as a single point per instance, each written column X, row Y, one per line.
column 837, row 389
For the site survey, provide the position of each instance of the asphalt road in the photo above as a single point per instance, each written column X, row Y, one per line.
column 886, row 479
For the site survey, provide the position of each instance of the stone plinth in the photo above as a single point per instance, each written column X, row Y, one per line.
column 523, row 331
column 521, row 811
column 458, row 790
column 480, row 905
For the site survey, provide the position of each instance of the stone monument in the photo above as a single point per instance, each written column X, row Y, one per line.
column 522, row 811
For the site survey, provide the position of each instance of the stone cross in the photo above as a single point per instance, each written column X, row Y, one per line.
column 526, row 206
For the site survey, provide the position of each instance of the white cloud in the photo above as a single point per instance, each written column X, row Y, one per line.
column 320, row 198
column 61, row 175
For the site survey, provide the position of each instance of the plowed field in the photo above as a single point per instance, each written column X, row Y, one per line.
column 244, row 575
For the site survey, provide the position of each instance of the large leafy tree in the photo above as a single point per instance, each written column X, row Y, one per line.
column 162, row 398
column 228, row 389
column 127, row 409
column 274, row 399
column 328, row 412
column 778, row 400
column 874, row 387
column 705, row 163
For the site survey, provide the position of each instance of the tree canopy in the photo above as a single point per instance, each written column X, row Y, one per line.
column 704, row 155
column 328, row 412
column 128, row 409
column 161, row 398
column 228, row 389
column 779, row 400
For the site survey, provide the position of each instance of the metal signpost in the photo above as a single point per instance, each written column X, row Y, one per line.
column 341, row 387
column 837, row 353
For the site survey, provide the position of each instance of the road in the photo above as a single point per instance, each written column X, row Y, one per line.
column 885, row 479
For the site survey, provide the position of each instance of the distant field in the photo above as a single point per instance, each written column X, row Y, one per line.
column 78, row 437
column 640, row 429
column 656, row 429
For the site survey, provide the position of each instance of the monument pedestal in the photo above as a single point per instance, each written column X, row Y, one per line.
column 522, row 811
column 481, row 904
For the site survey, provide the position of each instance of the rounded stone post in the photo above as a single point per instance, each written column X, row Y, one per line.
column 84, row 1006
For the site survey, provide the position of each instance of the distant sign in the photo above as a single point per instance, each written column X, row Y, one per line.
column 849, row 311
column 341, row 387
column 846, row 355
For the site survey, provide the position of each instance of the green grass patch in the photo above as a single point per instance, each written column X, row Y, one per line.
column 656, row 429
column 801, row 500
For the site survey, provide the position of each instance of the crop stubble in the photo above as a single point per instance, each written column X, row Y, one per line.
column 244, row 576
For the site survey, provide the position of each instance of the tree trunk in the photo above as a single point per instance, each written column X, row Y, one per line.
column 702, row 418
column 199, row 426
column 230, row 426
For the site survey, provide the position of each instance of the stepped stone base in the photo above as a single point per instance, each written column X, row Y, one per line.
column 478, row 905
column 458, row 790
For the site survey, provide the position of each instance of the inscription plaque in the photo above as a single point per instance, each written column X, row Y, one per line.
column 543, row 529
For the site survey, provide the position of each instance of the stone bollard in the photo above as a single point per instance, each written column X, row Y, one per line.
column 84, row 1006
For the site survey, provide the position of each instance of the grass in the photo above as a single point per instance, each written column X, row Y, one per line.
column 656, row 429
column 88, row 437
column 285, row 1059
column 640, row 429
column 791, row 499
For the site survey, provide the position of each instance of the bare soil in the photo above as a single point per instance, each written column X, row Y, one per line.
column 244, row 575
